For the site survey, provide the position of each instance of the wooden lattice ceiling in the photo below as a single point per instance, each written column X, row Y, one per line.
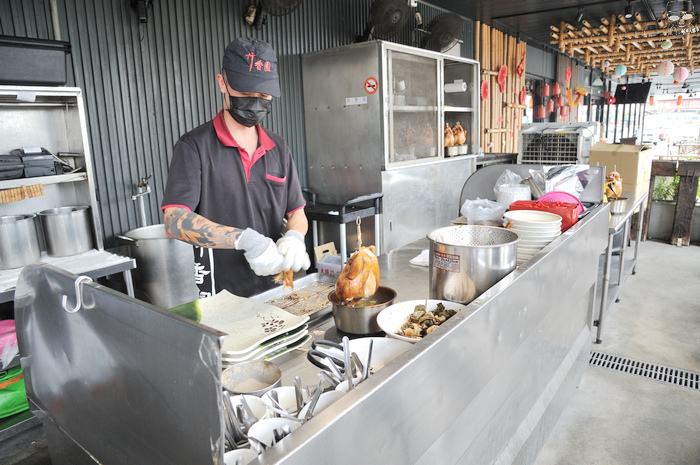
column 632, row 42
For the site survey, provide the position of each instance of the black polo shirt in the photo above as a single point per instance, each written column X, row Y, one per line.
column 214, row 177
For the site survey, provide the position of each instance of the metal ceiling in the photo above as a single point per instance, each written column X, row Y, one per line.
column 531, row 19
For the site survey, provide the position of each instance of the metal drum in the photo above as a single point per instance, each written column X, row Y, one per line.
column 465, row 261
column 19, row 243
column 164, row 266
column 66, row 230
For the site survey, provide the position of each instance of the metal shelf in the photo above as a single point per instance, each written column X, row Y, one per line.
column 459, row 109
column 45, row 180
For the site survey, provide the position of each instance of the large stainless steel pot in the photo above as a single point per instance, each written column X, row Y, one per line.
column 465, row 261
column 164, row 266
column 361, row 319
column 19, row 243
column 67, row 230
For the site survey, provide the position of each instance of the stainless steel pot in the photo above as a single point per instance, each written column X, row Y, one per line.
column 361, row 319
column 19, row 243
column 465, row 261
column 164, row 266
column 67, row 230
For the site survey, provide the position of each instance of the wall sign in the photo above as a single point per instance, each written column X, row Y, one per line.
column 371, row 85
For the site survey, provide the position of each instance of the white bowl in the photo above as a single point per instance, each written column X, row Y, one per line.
column 255, row 403
column 246, row 455
column 539, row 237
column 532, row 216
column 263, row 431
column 534, row 243
column 344, row 385
column 326, row 399
column 391, row 318
column 286, row 397
column 529, row 248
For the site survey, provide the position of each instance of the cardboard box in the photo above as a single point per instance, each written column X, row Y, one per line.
column 636, row 188
column 633, row 162
column 327, row 259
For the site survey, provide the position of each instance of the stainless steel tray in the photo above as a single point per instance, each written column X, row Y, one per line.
column 309, row 297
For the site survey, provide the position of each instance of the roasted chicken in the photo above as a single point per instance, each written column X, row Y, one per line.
column 449, row 136
column 286, row 278
column 460, row 134
column 359, row 278
column 613, row 185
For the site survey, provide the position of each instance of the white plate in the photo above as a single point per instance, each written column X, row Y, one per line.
column 267, row 347
column 532, row 216
column 249, row 323
column 391, row 318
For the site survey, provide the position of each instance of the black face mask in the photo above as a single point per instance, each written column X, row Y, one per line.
column 249, row 111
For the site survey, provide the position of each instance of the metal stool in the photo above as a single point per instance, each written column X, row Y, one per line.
column 343, row 214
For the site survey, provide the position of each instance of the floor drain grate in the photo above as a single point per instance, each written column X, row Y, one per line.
column 661, row 373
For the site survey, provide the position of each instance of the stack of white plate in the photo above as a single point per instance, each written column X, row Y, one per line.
column 536, row 229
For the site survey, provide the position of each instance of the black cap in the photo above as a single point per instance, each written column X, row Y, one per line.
column 251, row 66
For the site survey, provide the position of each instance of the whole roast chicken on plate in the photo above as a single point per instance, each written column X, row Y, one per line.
column 360, row 277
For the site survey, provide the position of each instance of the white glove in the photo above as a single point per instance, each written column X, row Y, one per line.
column 261, row 253
column 293, row 247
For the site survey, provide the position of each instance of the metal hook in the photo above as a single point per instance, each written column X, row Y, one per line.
column 359, row 233
column 78, row 295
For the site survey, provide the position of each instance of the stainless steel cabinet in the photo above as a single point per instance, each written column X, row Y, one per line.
column 375, row 114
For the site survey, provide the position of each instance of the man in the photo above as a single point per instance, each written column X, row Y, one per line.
column 231, row 184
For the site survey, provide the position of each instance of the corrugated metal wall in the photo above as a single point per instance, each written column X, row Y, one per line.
column 146, row 84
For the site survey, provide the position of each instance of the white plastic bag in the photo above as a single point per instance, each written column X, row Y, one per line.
column 483, row 212
column 506, row 178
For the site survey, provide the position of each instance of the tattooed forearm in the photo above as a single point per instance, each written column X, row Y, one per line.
column 194, row 229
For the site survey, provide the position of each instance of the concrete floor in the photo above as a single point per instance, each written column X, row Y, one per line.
column 613, row 418
column 619, row 418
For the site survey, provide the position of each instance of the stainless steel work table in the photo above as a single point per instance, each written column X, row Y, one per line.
column 619, row 223
column 486, row 387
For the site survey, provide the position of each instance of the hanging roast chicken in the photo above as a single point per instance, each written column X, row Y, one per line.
column 360, row 277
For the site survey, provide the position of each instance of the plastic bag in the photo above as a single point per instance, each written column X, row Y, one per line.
column 565, row 178
column 483, row 212
column 13, row 396
column 8, row 342
column 506, row 178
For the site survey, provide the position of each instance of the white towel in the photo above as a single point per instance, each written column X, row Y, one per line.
column 421, row 260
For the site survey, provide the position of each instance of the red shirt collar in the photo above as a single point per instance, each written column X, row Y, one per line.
column 227, row 139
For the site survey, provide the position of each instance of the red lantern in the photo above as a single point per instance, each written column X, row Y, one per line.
column 546, row 90
column 564, row 111
column 679, row 100
column 550, row 106
column 540, row 112
column 556, row 89
column 562, row 101
column 611, row 100
column 651, row 100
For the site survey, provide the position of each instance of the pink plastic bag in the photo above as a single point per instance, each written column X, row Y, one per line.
column 8, row 342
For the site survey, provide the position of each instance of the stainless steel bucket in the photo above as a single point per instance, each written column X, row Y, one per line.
column 164, row 266
column 465, row 261
column 361, row 319
column 67, row 230
column 19, row 243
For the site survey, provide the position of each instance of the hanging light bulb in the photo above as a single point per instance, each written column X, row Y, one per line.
column 628, row 10
column 674, row 10
column 687, row 10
